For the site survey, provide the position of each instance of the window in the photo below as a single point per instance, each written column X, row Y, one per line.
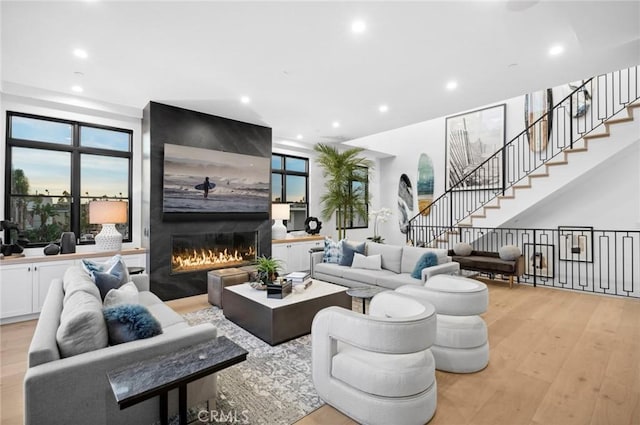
column 290, row 184
column 55, row 168
column 359, row 189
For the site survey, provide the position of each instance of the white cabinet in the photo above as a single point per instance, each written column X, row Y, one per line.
column 294, row 254
column 24, row 284
column 16, row 290
column 23, row 287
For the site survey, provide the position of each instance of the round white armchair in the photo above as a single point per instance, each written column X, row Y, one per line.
column 377, row 368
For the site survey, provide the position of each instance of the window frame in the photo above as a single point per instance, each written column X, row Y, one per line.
column 76, row 150
column 283, row 173
column 350, row 223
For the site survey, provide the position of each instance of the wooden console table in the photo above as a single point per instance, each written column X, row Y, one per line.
column 158, row 375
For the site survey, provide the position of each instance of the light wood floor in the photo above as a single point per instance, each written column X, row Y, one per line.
column 557, row 357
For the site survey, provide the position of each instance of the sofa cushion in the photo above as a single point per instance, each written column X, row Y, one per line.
column 330, row 269
column 391, row 255
column 74, row 280
column 428, row 259
column 393, row 281
column 82, row 327
column 384, row 375
column 365, row 275
column 164, row 314
column 332, row 251
column 411, row 255
column 130, row 322
column 126, row 294
column 371, row 262
column 348, row 249
column 492, row 264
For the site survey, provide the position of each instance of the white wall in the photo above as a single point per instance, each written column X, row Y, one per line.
column 94, row 114
column 606, row 198
column 407, row 143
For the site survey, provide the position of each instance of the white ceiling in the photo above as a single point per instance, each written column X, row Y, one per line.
column 300, row 63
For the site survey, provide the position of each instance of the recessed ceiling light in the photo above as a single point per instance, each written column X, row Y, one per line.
column 80, row 53
column 358, row 26
column 77, row 89
column 556, row 50
column 299, row 137
column 452, row 85
column 383, row 108
column 245, row 99
column 335, row 124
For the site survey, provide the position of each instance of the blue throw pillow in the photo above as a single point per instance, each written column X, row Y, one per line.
column 348, row 249
column 130, row 322
column 332, row 251
column 428, row 259
column 106, row 282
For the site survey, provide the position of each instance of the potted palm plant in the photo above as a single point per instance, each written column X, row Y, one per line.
column 346, row 174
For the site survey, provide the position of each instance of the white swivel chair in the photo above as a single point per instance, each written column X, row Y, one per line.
column 377, row 368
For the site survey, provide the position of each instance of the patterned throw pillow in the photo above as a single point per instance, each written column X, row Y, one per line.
column 428, row 259
column 109, row 275
column 332, row 251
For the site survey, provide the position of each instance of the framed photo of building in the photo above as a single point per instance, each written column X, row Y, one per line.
column 539, row 260
column 576, row 243
column 472, row 139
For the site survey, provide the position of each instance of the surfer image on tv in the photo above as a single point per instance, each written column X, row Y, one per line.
column 206, row 186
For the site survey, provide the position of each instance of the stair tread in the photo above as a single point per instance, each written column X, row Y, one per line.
column 595, row 136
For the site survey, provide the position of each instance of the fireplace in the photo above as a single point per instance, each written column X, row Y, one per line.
column 197, row 252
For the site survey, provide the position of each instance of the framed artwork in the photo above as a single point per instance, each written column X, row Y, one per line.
column 200, row 180
column 576, row 243
column 539, row 260
column 472, row 140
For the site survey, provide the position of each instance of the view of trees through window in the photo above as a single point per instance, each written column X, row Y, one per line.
column 57, row 168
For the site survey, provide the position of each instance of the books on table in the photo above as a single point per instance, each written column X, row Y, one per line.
column 299, row 278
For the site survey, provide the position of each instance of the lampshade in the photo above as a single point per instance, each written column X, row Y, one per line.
column 107, row 212
column 280, row 211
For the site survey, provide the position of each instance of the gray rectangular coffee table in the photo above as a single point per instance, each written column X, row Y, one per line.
column 158, row 375
column 278, row 320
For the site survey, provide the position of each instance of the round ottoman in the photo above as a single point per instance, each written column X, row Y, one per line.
column 457, row 295
column 461, row 344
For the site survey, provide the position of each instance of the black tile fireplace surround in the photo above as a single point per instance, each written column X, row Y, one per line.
column 168, row 124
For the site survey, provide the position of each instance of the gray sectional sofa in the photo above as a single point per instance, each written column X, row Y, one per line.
column 398, row 262
column 75, row 389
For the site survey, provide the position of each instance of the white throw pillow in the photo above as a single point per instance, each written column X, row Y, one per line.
column 509, row 252
column 372, row 262
column 126, row 294
column 462, row 249
column 82, row 326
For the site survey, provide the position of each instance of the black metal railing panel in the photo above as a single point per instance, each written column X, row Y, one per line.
column 584, row 110
column 577, row 258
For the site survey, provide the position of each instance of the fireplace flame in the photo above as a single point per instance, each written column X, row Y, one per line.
column 206, row 259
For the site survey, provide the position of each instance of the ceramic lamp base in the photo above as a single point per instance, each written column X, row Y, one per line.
column 109, row 239
column 278, row 230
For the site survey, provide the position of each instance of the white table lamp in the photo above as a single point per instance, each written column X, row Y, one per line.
column 279, row 212
column 108, row 213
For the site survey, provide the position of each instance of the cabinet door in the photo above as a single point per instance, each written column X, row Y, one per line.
column 135, row 260
column 44, row 273
column 16, row 290
column 302, row 258
column 280, row 251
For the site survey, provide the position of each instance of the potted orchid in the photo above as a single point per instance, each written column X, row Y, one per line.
column 379, row 216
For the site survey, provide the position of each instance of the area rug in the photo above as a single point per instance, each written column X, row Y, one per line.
column 273, row 386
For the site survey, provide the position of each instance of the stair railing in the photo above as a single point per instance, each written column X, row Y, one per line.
column 577, row 115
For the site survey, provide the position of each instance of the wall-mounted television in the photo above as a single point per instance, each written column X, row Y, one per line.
column 200, row 180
